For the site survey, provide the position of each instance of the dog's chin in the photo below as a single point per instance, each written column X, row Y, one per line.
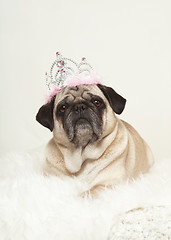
column 81, row 133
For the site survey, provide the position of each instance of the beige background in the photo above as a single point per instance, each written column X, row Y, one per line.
column 127, row 42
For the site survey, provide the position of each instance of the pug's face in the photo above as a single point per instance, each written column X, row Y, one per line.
column 79, row 114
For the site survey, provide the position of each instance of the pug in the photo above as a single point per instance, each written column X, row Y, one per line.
column 89, row 141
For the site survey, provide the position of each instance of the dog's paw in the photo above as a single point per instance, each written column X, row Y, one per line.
column 93, row 192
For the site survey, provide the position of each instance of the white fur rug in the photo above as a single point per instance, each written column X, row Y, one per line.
column 34, row 207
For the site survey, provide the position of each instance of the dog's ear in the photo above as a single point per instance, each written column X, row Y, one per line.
column 116, row 101
column 45, row 115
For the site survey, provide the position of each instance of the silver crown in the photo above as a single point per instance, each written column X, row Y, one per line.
column 62, row 68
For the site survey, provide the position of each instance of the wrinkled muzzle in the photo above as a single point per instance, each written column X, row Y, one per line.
column 83, row 125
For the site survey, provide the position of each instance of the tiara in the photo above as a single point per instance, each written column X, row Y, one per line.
column 63, row 68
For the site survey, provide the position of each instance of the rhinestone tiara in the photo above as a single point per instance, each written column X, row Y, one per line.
column 63, row 68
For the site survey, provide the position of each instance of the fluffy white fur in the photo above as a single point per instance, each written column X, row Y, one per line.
column 35, row 207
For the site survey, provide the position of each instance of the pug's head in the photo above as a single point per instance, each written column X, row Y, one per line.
column 79, row 115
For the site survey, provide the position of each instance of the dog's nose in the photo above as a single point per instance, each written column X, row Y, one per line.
column 80, row 107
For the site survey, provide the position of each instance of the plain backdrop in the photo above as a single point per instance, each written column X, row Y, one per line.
column 128, row 43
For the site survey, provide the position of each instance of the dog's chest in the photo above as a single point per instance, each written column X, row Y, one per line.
column 89, row 171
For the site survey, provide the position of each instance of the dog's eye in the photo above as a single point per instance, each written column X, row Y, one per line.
column 63, row 108
column 97, row 103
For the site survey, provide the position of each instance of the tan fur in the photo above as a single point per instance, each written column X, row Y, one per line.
column 118, row 155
